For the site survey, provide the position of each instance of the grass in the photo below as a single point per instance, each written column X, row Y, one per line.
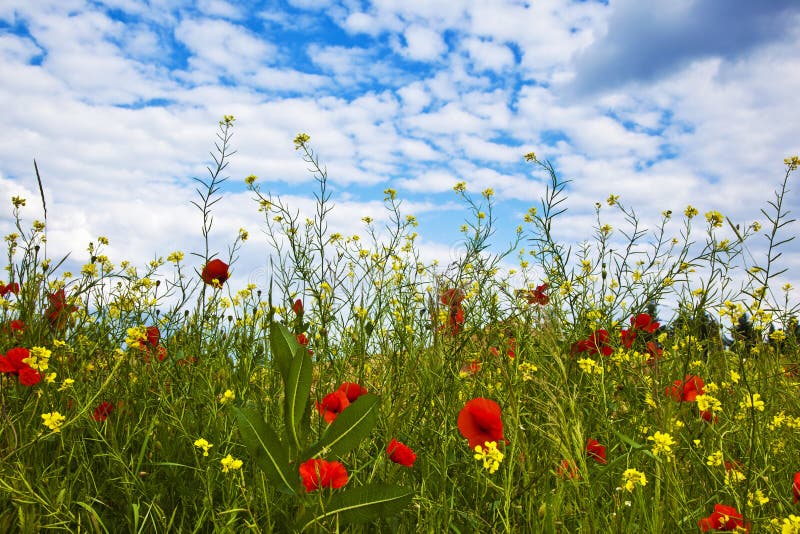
column 159, row 400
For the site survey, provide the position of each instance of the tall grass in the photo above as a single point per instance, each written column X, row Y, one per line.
column 643, row 378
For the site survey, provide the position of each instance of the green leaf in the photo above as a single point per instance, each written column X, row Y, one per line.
column 265, row 447
column 361, row 505
column 298, row 387
column 282, row 347
column 351, row 426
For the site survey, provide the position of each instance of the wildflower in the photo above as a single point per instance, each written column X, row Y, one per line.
column 53, row 421
column 537, row 295
column 230, row 463
column 714, row 459
column 796, row 487
column 297, row 307
column 714, row 218
column 250, row 180
column 632, row 478
column 612, row 199
column 526, row 370
column 597, row 343
column 490, row 456
column 723, row 518
column 102, row 411
column 686, row 390
column 662, row 443
column 58, row 311
column 400, row 453
column 317, row 473
column 471, row 368
column 567, row 469
column 215, row 273
column 753, row 402
column 10, row 288
column 756, row 498
column 332, row 405
column 201, row 443
column 13, row 362
column 300, row 140
column 479, row 421
column 708, row 403
column 790, row 525
column 228, row 396
column 590, row 366
column 175, row 257
column 530, row 156
column 596, row 451
column 690, row 212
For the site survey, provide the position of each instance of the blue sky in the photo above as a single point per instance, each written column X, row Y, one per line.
column 664, row 103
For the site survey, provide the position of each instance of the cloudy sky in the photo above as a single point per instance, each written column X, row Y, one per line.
column 665, row 103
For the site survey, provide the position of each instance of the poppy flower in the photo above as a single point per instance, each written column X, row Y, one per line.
column 479, row 421
column 302, row 339
column 724, row 518
column 596, row 451
column 627, row 337
column 332, row 405
column 796, row 487
column 17, row 326
column 456, row 319
column 655, row 352
column 452, row 297
column 12, row 363
column 567, row 469
column 153, row 335
column 102, row 411
column 10, row 288
column 400, row 453
column 645, row 323
column 597, row 343
column 709, row 416
column 58, row 312
column 469, row 368
column 317, row 473
column 537, row 295
column 29, row 376
column 352, row 390
column 686, row 390
column 297, row 307
column 215, row 273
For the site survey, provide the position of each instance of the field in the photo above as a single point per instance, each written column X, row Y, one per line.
column 647, row 380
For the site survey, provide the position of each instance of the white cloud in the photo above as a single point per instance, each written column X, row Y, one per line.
column 423, row 44
column 487, row 55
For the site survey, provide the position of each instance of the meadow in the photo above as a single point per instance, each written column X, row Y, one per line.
column 646, row 380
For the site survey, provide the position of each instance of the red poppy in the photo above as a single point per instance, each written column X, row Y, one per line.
column 11, row 362
column 29, row 376
column 400, row 453
column 352, row 390
column 479, row 421
column 452, row 297
column 686, row 390
column 317, row 473
column 655, row 353
column 10, row 288
column 17, row 326
column 627, row 337
column 297, row 307
column 724, row 518
column 796, row 487
column 456, row 319
column 470, row 368
column 596, row 451
column 597, row 343
column 538, row 295
column 153, row 335
column 332, row 405
column 645, row 323
column 215, row 273
column 709, row 416
column 58, row 312
column 567, row 469
column 102, row 411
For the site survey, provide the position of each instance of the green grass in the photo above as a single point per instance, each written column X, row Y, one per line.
column 234, row 375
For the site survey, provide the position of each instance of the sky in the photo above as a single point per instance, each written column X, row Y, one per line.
column 665, row 103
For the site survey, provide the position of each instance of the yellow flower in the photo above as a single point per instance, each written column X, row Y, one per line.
column 66, row 384
column 715, row 218
column 612, row 199
column 662, row 443
column 490, row 456
column 756, row 498
column 753, row 402
column 488, row 192
column 53, row 421
column 590, row 366
column 17, row 201
column 715, row 459
column 530, row 156
column 460, row 187
column 229, row 463
column 300, row 140
column 228, row 396
column 632, row 478
column 791, row 525
column 250, row 180
column 201, row 443
column 708, row 402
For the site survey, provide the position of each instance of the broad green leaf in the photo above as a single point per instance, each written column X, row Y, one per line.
column 361, row 505
column 351, row 426
column 265, row 447
column 282, row 347
column 298, row 387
